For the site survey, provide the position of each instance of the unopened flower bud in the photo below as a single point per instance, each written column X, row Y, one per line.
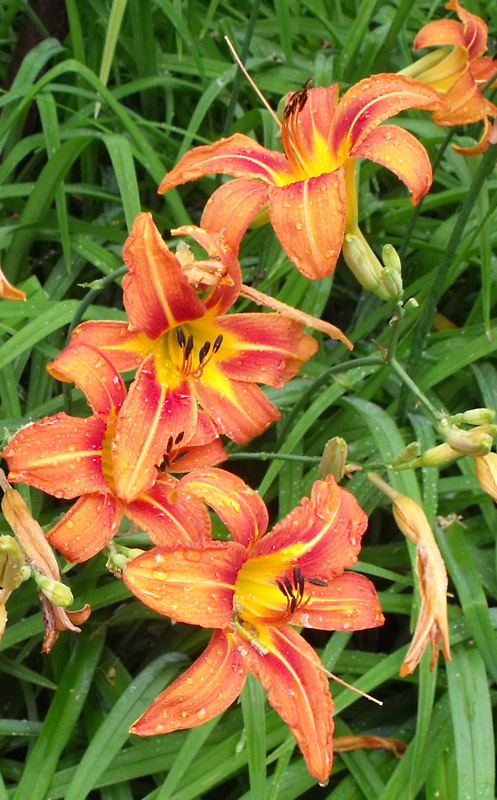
column 392, row 281
column 391, row 259
column 363, row 263
column 477, row 442
column 474, row 416
column 334, row 459
column 11, row 563
column 486, row 473
column 56, row 592
column 438, row 456
column 411, row 452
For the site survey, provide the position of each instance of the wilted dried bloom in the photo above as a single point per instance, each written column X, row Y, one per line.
column 40, row 557
column 432, row 624
column 8, row 291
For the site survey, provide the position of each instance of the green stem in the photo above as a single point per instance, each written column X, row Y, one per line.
column 410, row 384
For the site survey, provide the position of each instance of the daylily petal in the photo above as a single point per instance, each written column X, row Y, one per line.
column 93, row 373
column 463, row 103
column 371, row 101
column 151, row 415
column 125, row 350
column 170, row 517
column 440, row 32
column 240, row 508
column 157, row 295
column 482, row 69
column 297, row 689
column 264, row 348
column 475, row 30
column 308, row 218
column 244, row 198
column 206, row 455
column 307, row 123
column 8, row 291
column 401, row 153
column 189, row 585
column 481, row 146
column 348, row 603
column 330, row 526
column 239, row 409
column 206, row 689
column 237, row 155
column 60, row 455
column 87, row 527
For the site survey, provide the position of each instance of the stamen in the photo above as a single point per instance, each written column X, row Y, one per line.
column 217, row 344
column 282, row 588
column 298, row 580
column 298, row 100
column 189, row 346
column 202, row 353
column 169, row 445
column 164, row 464
column 288, row 585
column 316, row 581
column 179, row 437
column 181, row 337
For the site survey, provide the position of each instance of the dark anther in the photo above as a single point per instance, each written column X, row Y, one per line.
column 203, row 351
column 181, row 337
column 169, row 445
column 217, row 344
column 282, row 587
column 189, row 347
column 179, row 437
column 298, row 100
column 298, row 581
column 293, row 604
column 181, row 455
column 316, row 581
column 288, row 585
column 164, row 464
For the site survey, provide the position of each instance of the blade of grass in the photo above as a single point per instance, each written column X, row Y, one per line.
column 61, row 717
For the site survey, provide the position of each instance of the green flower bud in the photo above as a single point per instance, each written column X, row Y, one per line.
column 474, row 416
column 365, row 266
column 391, row 259
column 58, row 593
column 392, row 281
column 334, row 459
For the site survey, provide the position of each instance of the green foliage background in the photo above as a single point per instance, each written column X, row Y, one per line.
column 71, row 183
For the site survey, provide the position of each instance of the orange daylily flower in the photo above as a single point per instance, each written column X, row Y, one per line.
column 115, row 461
column 458, row 73
column 310, row 190
column 249, row 590
column 8, row 290
column 189, row 350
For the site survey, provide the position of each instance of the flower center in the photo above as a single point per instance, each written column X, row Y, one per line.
column 194, row 359
column 271, row 596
